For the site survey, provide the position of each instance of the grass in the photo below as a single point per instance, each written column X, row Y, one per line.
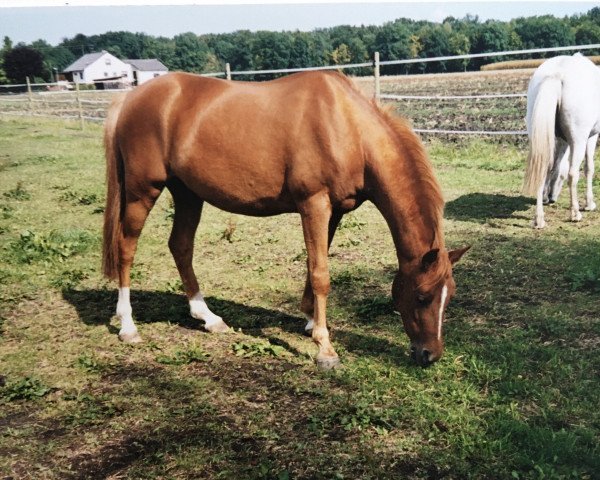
column 515, row 396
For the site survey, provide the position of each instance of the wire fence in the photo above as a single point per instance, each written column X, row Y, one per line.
column 431, row 110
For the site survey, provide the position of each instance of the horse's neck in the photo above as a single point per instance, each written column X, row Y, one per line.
column 413, row 221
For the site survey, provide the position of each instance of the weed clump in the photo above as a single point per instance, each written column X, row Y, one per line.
column 75, row 198
column 587, row 277
column 18, row 193
column 24, row 389
column 53, row 246
column 184, row 357
column 246, row 350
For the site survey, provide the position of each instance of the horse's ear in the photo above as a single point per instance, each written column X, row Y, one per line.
column 456, row 255
column 429, row 258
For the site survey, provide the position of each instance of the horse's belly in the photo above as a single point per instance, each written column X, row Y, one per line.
column 257, row 208
column 236, row 187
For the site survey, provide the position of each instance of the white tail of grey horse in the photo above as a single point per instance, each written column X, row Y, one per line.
column 542, row 134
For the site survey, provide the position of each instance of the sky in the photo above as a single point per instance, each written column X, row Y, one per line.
column 53, row 20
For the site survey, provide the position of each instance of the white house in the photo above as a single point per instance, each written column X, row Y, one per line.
column 146, row 69
column 102, row 66
column 97, row 67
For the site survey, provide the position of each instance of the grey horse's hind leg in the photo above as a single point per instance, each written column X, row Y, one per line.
column 589, row 172
column 558, row 173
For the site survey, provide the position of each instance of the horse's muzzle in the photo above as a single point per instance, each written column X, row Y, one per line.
column 423, row 357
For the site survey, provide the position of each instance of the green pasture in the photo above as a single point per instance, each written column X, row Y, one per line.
column 516, row 395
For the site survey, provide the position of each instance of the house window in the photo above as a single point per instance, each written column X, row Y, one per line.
column 106, row 74
column 107, row 61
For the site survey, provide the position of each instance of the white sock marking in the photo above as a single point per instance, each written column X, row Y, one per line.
column 441, row 314
column 310, row 323
column 199, row 310
column 124, row 312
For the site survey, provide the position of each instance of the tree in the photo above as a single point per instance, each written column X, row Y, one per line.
column 544, row 32
column 493, row 36
column 6, row 47
column 459, row 45
column 588, row 33
column 272, row 50
column 341, row 55
column 435, row 42
column 234, row 48
column 160, row 48
column 305, row 51
column 191, row 53
column 392, row 42
column 21, row 62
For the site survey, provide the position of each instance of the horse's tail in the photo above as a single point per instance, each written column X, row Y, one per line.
column 114, row 192
column 541, row 126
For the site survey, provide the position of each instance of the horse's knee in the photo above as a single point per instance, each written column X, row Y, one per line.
column 319, row 279
column 573, row 175
column 179, row 249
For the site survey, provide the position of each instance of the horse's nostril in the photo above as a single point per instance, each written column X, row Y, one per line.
column 425, row 357
column 413, row 353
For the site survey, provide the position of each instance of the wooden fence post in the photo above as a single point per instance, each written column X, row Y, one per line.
column 29, row 94
column 377, row 93
column 79, row 107
column 228, row 71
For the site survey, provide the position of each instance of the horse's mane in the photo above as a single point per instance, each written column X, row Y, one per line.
column 429, row 201
column 430, row 192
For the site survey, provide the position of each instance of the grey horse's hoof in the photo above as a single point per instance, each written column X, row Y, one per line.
column 131, row 338
column 328, row 363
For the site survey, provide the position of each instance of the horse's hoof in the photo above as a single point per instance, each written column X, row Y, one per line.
column 218, row 326
column 539, row 225
column 130, row 337
column 576, row 217
column 328, row 363
column 591, row 207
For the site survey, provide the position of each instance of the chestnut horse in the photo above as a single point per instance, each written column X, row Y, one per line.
column 309, row 143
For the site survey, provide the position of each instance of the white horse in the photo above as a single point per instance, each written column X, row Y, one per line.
column 563, row 122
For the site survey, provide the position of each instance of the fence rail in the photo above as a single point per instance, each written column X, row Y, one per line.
column 40, row 103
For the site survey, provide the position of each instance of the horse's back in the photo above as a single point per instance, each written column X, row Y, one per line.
column 579, row 102
column 245, row 145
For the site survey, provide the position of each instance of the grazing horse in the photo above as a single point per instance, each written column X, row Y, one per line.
column 309, row 143
column 563, row 109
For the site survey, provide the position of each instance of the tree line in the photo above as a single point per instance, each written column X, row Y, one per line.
column 244, row 50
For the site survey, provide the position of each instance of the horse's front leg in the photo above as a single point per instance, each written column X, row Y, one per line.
column 316, row 213
column 307, row 306
column 589, row 172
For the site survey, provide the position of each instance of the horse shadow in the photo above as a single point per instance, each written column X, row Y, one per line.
column 481, row 207
column 97, row 307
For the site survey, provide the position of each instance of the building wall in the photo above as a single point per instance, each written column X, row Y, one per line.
column 145, row 76
column 106, row 66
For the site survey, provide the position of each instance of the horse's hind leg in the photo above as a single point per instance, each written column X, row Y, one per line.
column 136, row 210
column 589, row 172
column 307, row 305
column 578, row 148
column 538, row 221
column 188, row 209
column 559, row 172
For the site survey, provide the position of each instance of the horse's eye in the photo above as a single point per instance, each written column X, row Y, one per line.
column 423, row 300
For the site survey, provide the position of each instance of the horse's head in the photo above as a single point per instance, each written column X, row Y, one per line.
column 421, row 291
